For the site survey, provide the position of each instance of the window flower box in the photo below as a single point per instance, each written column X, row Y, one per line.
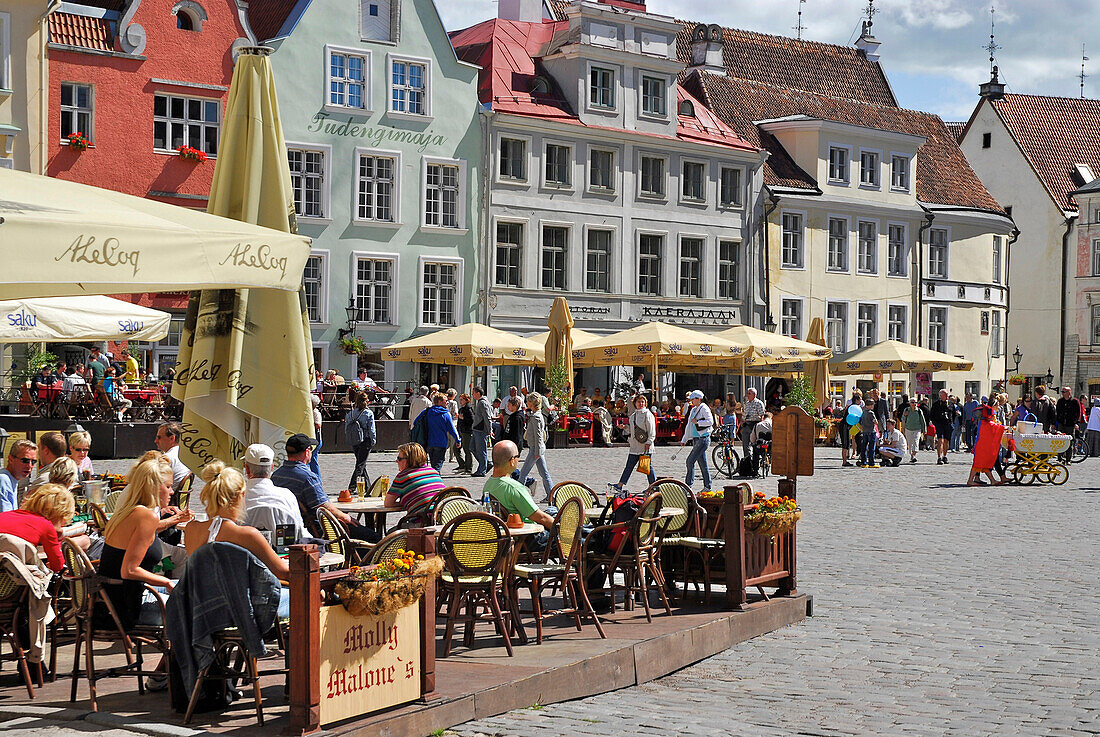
column 189, row 153
column 78, row 141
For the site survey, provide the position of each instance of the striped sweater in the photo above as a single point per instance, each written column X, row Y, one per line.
column 416, row 488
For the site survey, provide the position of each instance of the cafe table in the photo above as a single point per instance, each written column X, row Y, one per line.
column 666, row 512
column 372, row 506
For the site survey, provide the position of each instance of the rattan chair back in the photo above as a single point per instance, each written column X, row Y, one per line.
column 647, row 522
column 110, row 502
column 376, row 489
column 333, row 531
column 9, row 589
column 99, row 517
column 568, row 526
column 387, row 547
column 452, row 507
column 81, row 574
column 475, row 544
column 676, row 494
column 570, row 489
column 449, row 491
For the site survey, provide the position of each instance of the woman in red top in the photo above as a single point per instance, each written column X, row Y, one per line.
column 39, row 521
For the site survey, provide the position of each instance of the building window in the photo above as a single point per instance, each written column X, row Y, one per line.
column 5, row 51
column 375, row 196
column 373, row 289
column 693, row 181
column 513, row 159
column 601, row 170
column 866, row 325
column 730, row 187
column 869, row 169
column 440, row 294
column 190, row 121
column 998, row 251
column 691, row 260
column 1096, row 258
column 313, row 284
column 838, row 164
column 649, row 264
column 601, row 92
column 998, row 335
column 597, row 263
column 307, row 178
column 899, row 173
column 792, row 240
column 653, row 176
column 509, row 254
column 347, row 80
column 838, row 244
column 555, row 240
column 898, row 251
column 836, row 327
column 653, row 96
column 441, row 195
column 408, row 87
column 868, row 247
column 76, row 107
column 897, row 322
column 559, row 165
column 790, row 320
column 937, row 253
column 729, row 270
column 987, row 140
column 937, row 329
column 984, row 325
column 1096, row 325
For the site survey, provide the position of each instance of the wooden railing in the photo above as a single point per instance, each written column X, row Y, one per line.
column 756, row 560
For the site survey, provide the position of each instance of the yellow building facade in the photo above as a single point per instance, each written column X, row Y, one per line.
column 23, row 75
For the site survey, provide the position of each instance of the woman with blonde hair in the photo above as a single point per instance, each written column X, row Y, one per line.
column 80, row 445
column 45, row 511
column 63, row 472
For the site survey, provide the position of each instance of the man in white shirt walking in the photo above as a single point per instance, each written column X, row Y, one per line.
column 752, row 412
column 417, row 404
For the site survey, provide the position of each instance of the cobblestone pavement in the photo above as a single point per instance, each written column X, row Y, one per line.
column 939, row 610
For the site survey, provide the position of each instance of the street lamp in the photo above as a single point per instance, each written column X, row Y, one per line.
column 353, row 315
column 769, row 324
column 1017, row 357
column 1049, row 377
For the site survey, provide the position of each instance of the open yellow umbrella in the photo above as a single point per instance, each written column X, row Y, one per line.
column 246, row 357
column 772, row 349
column 818, row 371
column 895, row 356
column 660, row 345
column 472, row 344
column 559, row 346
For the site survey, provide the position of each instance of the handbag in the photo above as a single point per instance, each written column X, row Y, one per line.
column 641, row 434
column 644, row 463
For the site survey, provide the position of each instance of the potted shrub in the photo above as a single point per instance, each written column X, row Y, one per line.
column 353, row 345
column 78, row 141
column 558, row 385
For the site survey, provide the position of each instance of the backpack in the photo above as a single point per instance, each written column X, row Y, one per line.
column 747, row 468
column 623, row 509
column 420, row 429
column 353, row 431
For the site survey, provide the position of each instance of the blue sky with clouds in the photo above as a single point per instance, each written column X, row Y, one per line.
column 932, row 50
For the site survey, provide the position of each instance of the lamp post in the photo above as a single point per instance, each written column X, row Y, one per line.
column 769, row 324
column 352, row 314
column 1049, row 378
column 1017, row 356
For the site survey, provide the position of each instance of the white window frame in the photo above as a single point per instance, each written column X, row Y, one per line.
column 587, row 228
column 681, row 180
column 567, row 249
column 801, row 317
column 739, row 191
column 998, row 257
column 395, row 272
column 944, row 348
column 5, row 51
column 91, row 113
column 875, row 246
column 326, row 179
column 459, row 288
column 425, row 162
column 906, row 170
column 395, row 207
column 402, row 58
column 368, row 96
column 169, row 120
column 720, row 262
column 325, row 257
column 843, row 347
column 524, row 224
column 847, row 245
column 701, row 262
column 996, row 330
column 642, row 194
column 904, row 337
column 876, row 182
column 1095, row 271
column 592, row 189
column 661, row 266
column 616, row 72
column 847, row 178
column 508, row 180
column 783, row 263
column 1094, row 325
column 874, row 337
column 572, row 168
column 946, row 253
column 906, row 251
column 642, row 112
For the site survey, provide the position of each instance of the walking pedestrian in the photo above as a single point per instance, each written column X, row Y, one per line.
column 987, row 448
column 512, row 422
column 417, row 403
column 465, row 426
column 1043, row 409
column 314, row 464
column 914, row 423
column 359, row 430
column 1092, row 431
column 641, row 432
column 452, row 408
column 441, row 429
column 942, row 418
column 481, row 429
column 535, row 437
column 700, row 421
column 1067, row 412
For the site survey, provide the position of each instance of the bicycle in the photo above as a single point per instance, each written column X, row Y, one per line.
column 763, row 450
column 1078, row 449
column 723, row 454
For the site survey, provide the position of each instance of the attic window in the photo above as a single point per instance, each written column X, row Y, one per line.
column 189, row 15
column 1084, row 173
column 987, row 140
column 687, row 108
column 540, row 86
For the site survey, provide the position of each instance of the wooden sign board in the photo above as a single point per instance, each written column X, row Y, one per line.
column 793, row 443
column 368, row 663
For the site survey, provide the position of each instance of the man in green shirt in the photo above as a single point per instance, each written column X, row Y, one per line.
column 514, row 496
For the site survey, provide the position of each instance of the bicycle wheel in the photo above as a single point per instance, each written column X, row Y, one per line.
column 765, row 465
column 1057, row 475
column 725, row 459
column 1079, row 450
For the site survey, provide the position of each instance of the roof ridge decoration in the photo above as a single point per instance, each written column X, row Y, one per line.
column 131, row 36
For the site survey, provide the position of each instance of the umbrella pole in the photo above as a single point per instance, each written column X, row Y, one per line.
column 656, row 381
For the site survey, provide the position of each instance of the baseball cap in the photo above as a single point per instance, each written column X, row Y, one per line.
column 259, row 454
column 697, row 394
column 299, row 442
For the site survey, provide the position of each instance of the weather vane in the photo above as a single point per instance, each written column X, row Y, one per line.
column 799, row 28
column 1082, row 75
column 992, row 46
column 871, row 10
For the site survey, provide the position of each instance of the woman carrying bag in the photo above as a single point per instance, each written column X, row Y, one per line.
column 699, row 423
column 641, row 432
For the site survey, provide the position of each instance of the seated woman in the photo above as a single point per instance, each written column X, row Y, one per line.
column 415, row 485
column 223, row 497
column 45, row 511
column 80, row 445
column 63, row 471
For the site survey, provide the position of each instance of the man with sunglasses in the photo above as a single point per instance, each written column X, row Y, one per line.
column 21, row 461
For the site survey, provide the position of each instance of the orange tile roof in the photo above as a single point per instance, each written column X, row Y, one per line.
column 956, row 128
column 1055, row 134
column 81, row 31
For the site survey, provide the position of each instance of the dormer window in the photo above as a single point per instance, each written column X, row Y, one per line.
column 601, row 92
column 540, row 86
column 838, row 164
column 687, row 109
column 189, row 15
column 375, row 20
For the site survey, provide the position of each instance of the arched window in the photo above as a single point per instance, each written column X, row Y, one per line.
column 540, row 86
column 687, row 108
column 189, row 15
column 183, row 21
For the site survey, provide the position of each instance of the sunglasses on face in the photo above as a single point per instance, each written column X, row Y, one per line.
column 81, row 450
column 26, row 460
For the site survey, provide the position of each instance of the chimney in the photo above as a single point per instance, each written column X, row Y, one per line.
column 867, row 43
column 526, row 11
column 994, row 89
column 706, row 49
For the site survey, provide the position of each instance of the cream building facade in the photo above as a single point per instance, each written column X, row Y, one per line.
column 23, row 75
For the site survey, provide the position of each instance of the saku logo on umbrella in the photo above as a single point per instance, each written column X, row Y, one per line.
column 424, row 351
column 130, row 326
column 393, row 353
column 23, row 320
column 455, row 350
column 485, row 350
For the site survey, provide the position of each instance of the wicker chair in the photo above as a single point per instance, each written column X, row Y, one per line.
column 98, row 517
column 475, row 547
column 568, row 573
column 569, row 489
column 387, row 547
column 676, row 494
column 183, row 496
column 637, row 558
column 452, row 507
column 110, row 502
column 86, row 589
column 332, row 529
column 13, row 606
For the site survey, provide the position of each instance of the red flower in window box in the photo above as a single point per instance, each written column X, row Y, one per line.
column 78, row 141
column 192, row 154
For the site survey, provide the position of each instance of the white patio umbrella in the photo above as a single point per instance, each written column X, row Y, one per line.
column 94, row 317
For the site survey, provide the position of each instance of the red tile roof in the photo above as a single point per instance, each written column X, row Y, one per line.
column 268, row 16
column 508, row 51
column 943, row 176
column 955, row 128
column 1055, row 134
column 81, row 31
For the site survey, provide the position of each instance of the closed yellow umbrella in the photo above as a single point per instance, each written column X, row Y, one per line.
column 472, row 344
column 559, row 346
column 895, row 356
column 246, row 355
column 818, row 371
